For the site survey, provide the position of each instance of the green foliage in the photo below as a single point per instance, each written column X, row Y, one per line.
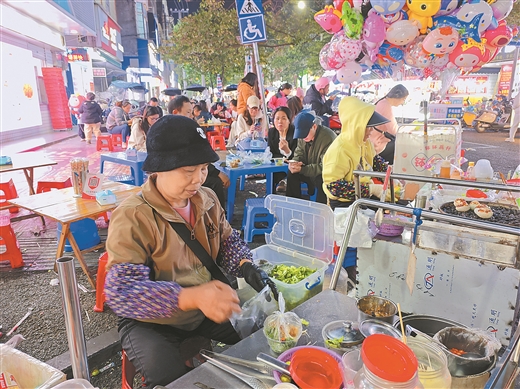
column 206, row 43
column 513, row 18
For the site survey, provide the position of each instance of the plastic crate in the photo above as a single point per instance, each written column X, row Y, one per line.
column 302, row 235
column 28, row 371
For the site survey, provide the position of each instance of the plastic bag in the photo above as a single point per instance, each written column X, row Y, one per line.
column 282, row 329
column 256, row 158
column 254, row 312
column 362, row 232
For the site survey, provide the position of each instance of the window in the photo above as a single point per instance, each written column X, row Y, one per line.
column 140, row 21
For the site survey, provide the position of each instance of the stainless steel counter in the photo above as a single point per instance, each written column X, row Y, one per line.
column 323, row 308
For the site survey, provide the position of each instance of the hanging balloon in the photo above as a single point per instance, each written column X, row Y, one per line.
column 402, row 32
column 422, row 11
column 374, row 31
column 467, row 30
column 349, row 73
column 329, row 19
column 324, row 57
column 344, row 49
column 397, row 71
column 440, row 41
column 500, row 36
column 392, row 18
column 448, row 76
column 352, row 21
column 390, row 53
column 415, row 56
column 448, row 6
column 501, row 8
column 468, row 11
column 467, row 56
column 387, row 7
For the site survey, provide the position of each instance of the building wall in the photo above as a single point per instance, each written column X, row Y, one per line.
column 126, row 18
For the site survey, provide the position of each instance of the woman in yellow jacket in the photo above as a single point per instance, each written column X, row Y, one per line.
column 350, row 151
column 245, row 89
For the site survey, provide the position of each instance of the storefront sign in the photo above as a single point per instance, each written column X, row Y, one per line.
column 76, row 54
column 466, row 85
column 99, row 72
column 109, row 34
column 504, row 81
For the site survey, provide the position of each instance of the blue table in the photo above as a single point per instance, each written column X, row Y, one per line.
column 135, row 163
column 241, row 171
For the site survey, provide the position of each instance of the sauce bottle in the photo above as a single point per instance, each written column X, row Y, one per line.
column 470, row 173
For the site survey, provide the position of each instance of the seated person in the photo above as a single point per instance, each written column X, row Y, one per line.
column 252, row 123
column 155, row 103
column 313, row 141
column 281, row 142
column 201, row 117
column 215, row 180
column 141, row 125
column 351, row 149
column 118, row 120
column 158, row 287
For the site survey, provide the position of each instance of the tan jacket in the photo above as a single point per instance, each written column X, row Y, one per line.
column 139, row 233
column 244, row 92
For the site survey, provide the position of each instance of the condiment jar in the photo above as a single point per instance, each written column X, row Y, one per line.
column 433, row 364
column 387, row 363
column 470, row 173
column 445, row 169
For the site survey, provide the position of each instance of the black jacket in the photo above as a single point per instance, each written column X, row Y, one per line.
column 90, row 112
column 273, row 139
column 313, row 98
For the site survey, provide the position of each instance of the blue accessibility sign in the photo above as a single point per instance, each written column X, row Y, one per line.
column 252, row 29
column 249, row 7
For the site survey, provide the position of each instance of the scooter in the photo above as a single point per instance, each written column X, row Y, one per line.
column 496, row 120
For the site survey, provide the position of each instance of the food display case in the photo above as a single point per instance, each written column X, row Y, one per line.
column 466, row 270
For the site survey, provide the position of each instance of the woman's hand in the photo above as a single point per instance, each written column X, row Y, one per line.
column 216, row 300
column 283, row 145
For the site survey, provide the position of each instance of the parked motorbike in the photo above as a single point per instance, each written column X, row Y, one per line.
column 499, row 118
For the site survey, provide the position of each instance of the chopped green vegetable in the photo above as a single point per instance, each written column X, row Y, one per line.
column 291, row 274
column 334, row 343
column 304, row 322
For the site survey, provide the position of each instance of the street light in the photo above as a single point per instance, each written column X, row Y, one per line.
column 301, row 4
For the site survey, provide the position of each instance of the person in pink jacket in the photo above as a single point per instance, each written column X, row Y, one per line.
column 383, row 138
column 280, row 98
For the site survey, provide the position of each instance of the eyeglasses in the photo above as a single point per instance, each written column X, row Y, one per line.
column 254, row 108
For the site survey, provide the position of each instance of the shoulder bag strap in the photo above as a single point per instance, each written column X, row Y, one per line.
column 199, row 251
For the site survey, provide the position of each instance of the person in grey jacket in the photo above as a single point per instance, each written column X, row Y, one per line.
column 307, row 163
column 91, row 112
column 118, row 121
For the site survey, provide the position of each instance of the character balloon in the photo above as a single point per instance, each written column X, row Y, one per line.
column 349, row 73
column 389, row 53
column 343, row 49
column 422, row 11
column 352, row 21
column 387, row 7
column 374, row 32
column 467, row 30
column 75, row 101
column 440, row 41
column 402, row 32
column 448, row 6
column 501, row 8
column 468, row 11
column 467, row 56
column 415, row 56
column 499, row 37
column 329, row 19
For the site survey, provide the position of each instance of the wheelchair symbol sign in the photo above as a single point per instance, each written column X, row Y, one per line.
column 252, row 29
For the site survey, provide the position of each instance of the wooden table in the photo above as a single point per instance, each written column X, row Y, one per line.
column 60, row 205
column 27, row 162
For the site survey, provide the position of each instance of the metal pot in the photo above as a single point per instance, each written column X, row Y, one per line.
column 428, row 324
column 374, row 307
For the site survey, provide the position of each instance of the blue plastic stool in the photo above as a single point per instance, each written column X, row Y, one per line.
column 85, row 233
column 305, row 189
column 254, row 211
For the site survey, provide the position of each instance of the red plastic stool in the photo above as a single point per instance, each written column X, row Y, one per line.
column 8, row 192
column 12, row 248
column 100, row 284
column 211, row 134
column 46, row 186
column 104, row 142
column 117, row 140
column 218, row 143
column 224, row 131
column 128, row 372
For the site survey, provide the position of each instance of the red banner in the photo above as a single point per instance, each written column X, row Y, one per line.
column 504, row 81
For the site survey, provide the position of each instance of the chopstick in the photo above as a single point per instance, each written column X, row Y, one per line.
column 403, row 334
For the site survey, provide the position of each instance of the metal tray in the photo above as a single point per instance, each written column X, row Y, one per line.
column 508, row 215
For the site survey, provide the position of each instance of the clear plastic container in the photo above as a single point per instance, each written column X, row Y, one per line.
column 483, row 170
column 303, row 235
column 433, row 364
column 387, row 363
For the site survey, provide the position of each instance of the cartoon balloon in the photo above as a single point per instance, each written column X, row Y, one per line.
column 374, row 32
column 324, row 58
column 414, row 55
column 392, row 18
column 402, row 32
column 352, row 21
column 440, row 41
column 500, row 36
column 387, row 7
column 467, row 30
column 390, row 53
column 448, row 6
column 468, row 11
column 467, row 56
column 501, row 8
column 329, row 19
column 349, row 73
column 422, row 11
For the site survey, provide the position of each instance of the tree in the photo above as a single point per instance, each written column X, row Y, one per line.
column 513, row 19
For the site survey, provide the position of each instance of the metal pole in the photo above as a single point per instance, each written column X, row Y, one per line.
column 72, row 313
column 260, row 80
